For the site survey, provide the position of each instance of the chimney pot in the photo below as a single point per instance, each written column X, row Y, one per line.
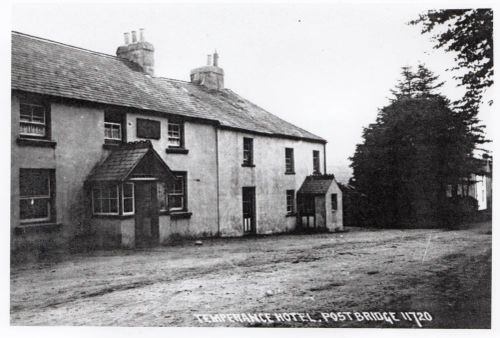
column 141, row 53
column 216, row 59
column 209, row 76
column 141, row 34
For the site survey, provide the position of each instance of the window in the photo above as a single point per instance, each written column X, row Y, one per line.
column 148, row 129
column 36, row 195
column 128, row 199
column 113, row 126
column 112, row 131
column 105, row 199
column 334, row 202
column 290, row 201
column 177, row 195
column 175, row 135
column 33, row 120
column 316, row 169
column 289, row 161
column 247, row 151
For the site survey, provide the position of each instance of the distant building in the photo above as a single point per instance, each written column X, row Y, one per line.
column 102, row 146
column 478, row 185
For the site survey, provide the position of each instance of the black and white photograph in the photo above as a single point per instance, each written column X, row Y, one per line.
column 244, row 165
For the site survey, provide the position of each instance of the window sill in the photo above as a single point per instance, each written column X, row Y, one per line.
column 114, row 216
column 37, row 228
column 35, row 142
column 111, row 145
column 291, row 214
column 176, row 151
column 248, row 165
column 180, row 214
column 289, row 172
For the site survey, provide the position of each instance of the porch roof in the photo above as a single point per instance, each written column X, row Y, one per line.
column 121, row 164
column 316, row 184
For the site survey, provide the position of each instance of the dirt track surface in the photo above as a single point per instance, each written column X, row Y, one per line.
column 446, row 273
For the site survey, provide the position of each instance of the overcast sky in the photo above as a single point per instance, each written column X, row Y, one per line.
column 326, row 68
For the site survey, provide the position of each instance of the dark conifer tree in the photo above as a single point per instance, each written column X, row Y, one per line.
column 415, row 152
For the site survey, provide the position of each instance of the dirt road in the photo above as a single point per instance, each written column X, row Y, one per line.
column 446, row 273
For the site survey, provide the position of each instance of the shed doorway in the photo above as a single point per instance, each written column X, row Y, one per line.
column 248, row 199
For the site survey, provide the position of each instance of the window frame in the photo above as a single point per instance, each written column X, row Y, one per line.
column 289, row 167
column 36, row 101
column 132, row 198
column 248, row 141
column 290, row 207
column 180, row 124
column 113, row 117
column 183, row 175
column 316, row 162
column 106, row 124
column 116, row 186
column 50, row 196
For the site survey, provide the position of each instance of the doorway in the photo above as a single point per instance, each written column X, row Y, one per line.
column 146, row 214
column 249, row 225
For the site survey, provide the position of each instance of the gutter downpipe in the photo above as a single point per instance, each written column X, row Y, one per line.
column 324, row 158
column 217, row 171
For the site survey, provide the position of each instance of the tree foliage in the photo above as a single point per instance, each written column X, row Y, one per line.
column 417, row 148
column 469, row 34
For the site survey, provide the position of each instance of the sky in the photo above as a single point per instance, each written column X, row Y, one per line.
column 324, row 67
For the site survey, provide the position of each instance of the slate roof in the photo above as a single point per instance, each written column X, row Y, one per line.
column 316, row 184
column 120, row 163
column 52, row 68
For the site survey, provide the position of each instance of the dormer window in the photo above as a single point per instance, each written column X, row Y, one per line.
column 33, row 120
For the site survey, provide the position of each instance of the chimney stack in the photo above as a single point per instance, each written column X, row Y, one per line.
column 210, row 76
column 139, row 52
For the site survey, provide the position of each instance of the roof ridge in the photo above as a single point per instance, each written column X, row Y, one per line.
column 68, row 45
column 171, row 79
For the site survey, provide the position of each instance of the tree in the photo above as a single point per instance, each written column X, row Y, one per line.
column 469, row 34
column 417, row 148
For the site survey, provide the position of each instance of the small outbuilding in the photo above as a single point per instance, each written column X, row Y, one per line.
column 319, row 204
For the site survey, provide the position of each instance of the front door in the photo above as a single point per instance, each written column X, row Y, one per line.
column 146, row 214
column 249, row 210
column 307, row 211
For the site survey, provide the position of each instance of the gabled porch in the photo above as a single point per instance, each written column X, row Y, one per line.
column 123, row 196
